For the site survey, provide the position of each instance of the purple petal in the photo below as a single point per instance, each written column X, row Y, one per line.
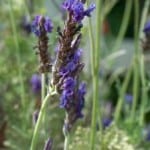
column 89, row 10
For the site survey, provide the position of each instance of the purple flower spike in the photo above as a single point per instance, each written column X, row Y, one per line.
column 48, row 144
column 68, row 64
column 147, row 27
column 36, row 25
column 36, row 83
column 76, row 8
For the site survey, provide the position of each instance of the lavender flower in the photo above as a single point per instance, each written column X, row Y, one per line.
column 48, row 144
column 37, row 25
column 41, row 26
column 36, row 83
column 68, row 63
column 76, row 7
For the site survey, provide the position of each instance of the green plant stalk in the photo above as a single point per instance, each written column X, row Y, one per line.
column 66, row 143
column 43, row 75
column 43, row 86
column 144, row 97
column 144, row 16
column 39, row 121
column 135, row 89
column 20, row 73
column 26, row 9
column 136, row 62
column 92, row 45
column 124, row 25
column 122, row 94
column 144, row 93
column 108, row 5
column 95, row 105
column 67, row 137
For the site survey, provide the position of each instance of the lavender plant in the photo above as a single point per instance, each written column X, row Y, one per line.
column 67, row 66
column 65, row 80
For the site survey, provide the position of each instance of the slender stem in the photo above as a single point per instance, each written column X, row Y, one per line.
column 92, row 47
column 95, row 75
column 66, row 143
column 108, row 7
column 144, row 16
column 43, row 86
column 142, row 70
column 39, row 121
column 67, row 137
column 18, row 55
column 122, row 94
column 26, row 9
column 43, row 91
column 136, row 61
column 124, row 25
column 144, row 93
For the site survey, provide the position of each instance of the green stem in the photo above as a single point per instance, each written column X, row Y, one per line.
column 95, row 68
column 124, row 25
column 136, row 61
column 144, row 93
column 43, row 91
column 67, row 137
column 43, row 86
column 135, row 89
column 26, row 9
column 66, row 143
column 144, row 16
column 39, row 121
column 108, row 5
column 122, row 94
column 144, row 97
column 92, row 46
column 15, row 35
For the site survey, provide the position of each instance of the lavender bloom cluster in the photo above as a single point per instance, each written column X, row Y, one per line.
column 67, row 65
column 76, row 8
column 41, row 26
column 37, row 25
